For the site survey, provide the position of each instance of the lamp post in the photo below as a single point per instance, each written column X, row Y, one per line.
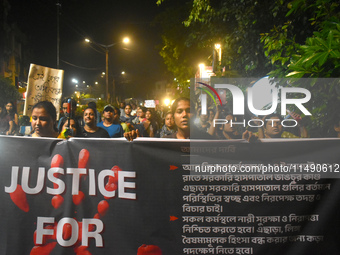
column 105, row 49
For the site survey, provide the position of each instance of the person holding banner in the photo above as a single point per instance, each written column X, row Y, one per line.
column 274, row 129
column 90, row 129
column 184, row 117
column 169, row 125
column 44, row 119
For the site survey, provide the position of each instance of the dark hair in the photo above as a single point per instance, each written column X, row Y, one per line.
column 150, row 110
column 152, row 113
column 73, row 102
column 14, row 109
column 94, row 110
column 93, row 105
column 127, row 105
column 175, row 103
column 116, row 109
column 64, row 120
column 143, row 108
column 168, row 113
column 49, row 108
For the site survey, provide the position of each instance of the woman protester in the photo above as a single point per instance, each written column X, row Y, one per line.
column 6, row 124
column 12, row 113
column 70, row 128
column 150, row 124
column 90, row 129
column 169, row 126
column 44, row 119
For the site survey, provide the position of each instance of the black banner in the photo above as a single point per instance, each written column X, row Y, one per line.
column 164, row 196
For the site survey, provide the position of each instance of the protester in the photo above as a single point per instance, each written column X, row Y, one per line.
column 6, row 124
column 90, row 129
column 140, row 116
column 127, row 117
column 230, row 130
column 93, row 105
column 202, row 123
column 211, row 114
column 169, row 126
column 150, row 124
column 133, row 108
column 12, row 113
column 274, row 129
column 72, row 114
column 111, row 121
column 44, row 120
column 121, row 107
column 159, row 114
column 183, row 117
column 70, row 129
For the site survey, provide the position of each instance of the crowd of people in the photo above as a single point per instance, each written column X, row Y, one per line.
column 182, row 121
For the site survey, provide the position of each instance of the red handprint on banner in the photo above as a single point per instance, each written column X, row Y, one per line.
column 47, row 241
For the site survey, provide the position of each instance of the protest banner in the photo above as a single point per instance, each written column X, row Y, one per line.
column 171, row 197
column 43, row 83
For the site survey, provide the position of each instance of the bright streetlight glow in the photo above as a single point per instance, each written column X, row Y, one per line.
column 123, row 72
column 217, row 46
column 105, row 48
column 74, row 80
column 167, row 101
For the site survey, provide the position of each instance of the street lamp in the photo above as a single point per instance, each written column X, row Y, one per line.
column 105, row 48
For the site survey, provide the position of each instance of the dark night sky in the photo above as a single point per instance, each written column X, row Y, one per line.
column 104, row 21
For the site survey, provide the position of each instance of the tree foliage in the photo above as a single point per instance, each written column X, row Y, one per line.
column 235, row 24
column 8, row 91
column 180, row 50
column 316, row 56
column 283, row 38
